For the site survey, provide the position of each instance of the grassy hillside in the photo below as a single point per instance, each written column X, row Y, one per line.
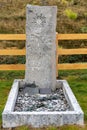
column 71, row 18
column 12, row 15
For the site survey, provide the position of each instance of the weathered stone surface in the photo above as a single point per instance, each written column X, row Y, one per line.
column 45, row 90
column 40, row 46
column 31, row 90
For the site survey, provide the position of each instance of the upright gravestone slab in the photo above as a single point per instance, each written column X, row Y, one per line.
column 40, row 46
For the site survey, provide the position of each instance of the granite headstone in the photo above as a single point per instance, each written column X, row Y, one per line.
column 40, row 46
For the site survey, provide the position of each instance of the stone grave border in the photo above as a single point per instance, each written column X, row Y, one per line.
column 40, row 119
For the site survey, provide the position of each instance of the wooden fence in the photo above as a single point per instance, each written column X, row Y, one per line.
column 59, row 51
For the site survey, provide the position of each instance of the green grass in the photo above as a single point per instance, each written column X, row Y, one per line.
column 4, row 90
column 78, row 84
column 6, row 79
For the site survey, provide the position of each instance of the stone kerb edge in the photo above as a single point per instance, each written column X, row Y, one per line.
column 71, row 116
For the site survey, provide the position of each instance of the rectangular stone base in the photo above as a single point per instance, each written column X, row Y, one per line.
column 40, row 119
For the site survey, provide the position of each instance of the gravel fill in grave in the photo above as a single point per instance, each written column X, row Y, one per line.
column 55, row 101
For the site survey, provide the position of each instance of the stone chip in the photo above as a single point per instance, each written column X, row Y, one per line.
column 45, row 90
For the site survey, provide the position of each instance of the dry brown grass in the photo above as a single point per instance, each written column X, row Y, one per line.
column 13, row 17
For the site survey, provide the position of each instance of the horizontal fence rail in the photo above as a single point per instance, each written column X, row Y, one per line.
column 72, row 51
column 59, row 51
column 16, row 52
column 72, row 36
column 59, row 36
column 13, row 37
column 59, row 66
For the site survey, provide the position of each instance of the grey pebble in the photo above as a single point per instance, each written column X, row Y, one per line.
column 55, row 101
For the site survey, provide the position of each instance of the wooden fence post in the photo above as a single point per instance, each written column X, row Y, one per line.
column 56, row 55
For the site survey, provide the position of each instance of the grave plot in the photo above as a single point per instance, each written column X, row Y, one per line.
column 39, row 99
